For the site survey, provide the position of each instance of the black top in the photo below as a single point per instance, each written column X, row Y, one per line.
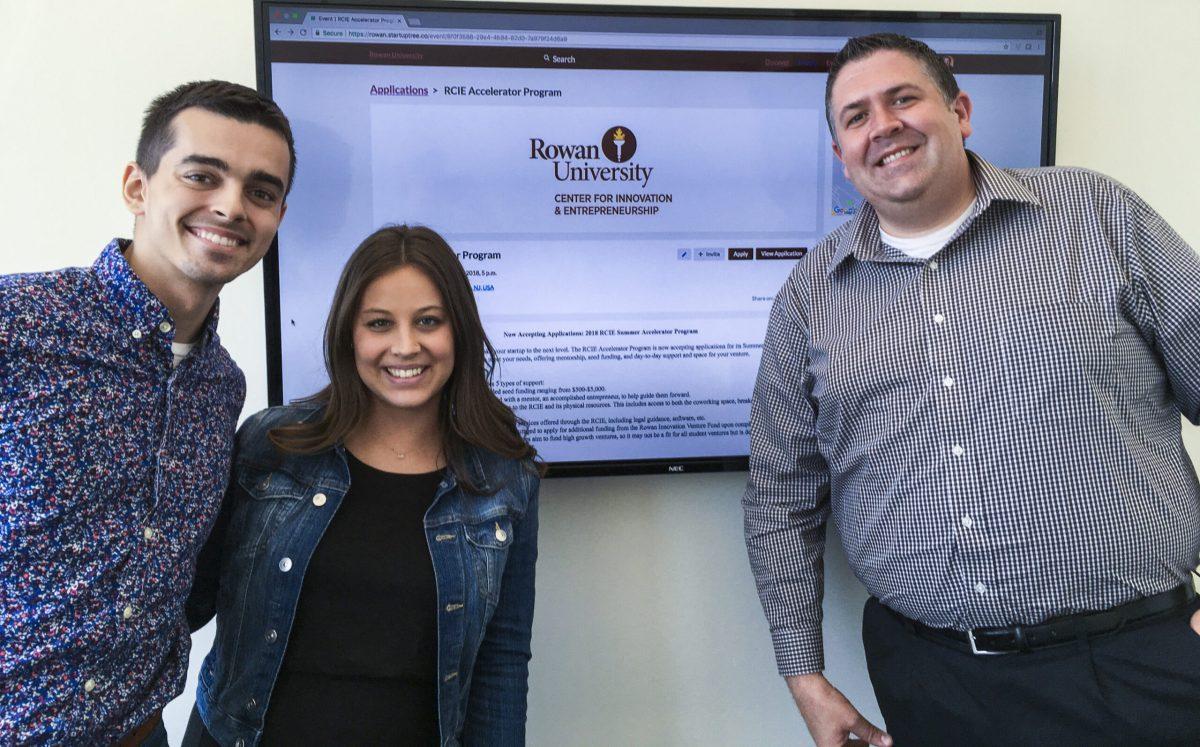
column 361, row 661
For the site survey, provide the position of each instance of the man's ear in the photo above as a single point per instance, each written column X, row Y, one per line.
column 134, row 183
column 961, row 106
column 837, row 151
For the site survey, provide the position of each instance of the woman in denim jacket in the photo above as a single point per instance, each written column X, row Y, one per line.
column 372, row 568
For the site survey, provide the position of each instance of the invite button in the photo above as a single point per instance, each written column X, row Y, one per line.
column 781, row 252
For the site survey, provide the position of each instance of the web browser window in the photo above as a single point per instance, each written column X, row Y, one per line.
column 626, row 194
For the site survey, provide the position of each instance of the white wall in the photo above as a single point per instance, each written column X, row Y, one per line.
column 648, row 631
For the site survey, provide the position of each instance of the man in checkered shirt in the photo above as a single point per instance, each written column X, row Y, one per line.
column 980, row 377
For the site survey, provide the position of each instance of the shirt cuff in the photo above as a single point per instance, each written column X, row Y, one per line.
column 799, row 651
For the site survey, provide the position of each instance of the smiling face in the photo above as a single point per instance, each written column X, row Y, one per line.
column 404, row 344
column 901, row 143
column 210, row 210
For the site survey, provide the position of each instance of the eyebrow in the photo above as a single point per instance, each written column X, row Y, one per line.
column 860, row 103
column 257, row 176
column 422, row 310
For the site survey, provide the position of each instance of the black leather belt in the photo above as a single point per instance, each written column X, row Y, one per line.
column 140, row 734
column 1017, row 638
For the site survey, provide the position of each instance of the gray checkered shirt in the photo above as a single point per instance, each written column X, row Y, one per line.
column 996, row 429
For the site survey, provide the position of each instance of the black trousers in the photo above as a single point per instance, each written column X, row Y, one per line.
column 196, row 735
column 1137, row 686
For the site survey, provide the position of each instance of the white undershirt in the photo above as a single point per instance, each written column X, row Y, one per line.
column 926, row 245
column 180, row 350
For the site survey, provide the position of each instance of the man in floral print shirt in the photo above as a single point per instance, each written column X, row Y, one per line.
column 117, row 412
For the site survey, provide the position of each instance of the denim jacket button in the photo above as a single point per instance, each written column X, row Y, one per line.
column 240, row 742
column 285, row 565
column 319, row 500
column 251, row 705
column 501, row 535
column 271, row 636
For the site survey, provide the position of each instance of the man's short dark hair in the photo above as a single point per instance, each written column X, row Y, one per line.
column 865, row 46
column 216, row 96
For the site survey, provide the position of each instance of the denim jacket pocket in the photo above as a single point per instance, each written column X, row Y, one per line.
column 270, row 497
column 264, row 485
column 488, row 542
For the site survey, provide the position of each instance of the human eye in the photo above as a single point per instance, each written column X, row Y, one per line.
column 378, row 324
column 264, row 196
column 199, row 178
column 856, row 119
column 429, row 321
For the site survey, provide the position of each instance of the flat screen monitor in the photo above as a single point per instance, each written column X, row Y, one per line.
column 627, row 188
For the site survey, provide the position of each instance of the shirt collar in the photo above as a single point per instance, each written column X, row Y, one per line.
column 992, row 184
column 132, row 301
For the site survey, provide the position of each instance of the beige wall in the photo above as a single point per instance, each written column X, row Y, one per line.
column 647, row 631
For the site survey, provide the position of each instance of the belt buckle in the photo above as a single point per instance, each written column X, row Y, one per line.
column 977, row 651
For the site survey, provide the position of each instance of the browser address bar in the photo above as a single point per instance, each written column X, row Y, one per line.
column 577, row 39
column 626, row 41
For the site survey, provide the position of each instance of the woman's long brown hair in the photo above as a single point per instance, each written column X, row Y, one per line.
column 469, row 412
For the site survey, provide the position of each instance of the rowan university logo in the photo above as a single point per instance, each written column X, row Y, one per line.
column 581, row 162
column 618, row 144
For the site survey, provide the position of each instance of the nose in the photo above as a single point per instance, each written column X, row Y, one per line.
column 884, row 123
column 404, row 341
column 229, row 202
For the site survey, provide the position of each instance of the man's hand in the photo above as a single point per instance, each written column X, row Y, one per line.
column 831, row 719
column 1196, row 622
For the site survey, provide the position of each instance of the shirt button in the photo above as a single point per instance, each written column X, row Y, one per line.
column 271, row 636
column 164, row 327
column 980, row 588
column 148, row 533
column 89, row 686
column 285, row 565
column 136, row 334
column 251, row 704
column 938, row 318
column 968, row 522
column 127, row 613
column 933, row 264
column 501, row 535
column 957, row 450
column 947, row 382
column 319, row 500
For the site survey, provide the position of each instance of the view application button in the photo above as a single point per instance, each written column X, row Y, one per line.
column 781, row 252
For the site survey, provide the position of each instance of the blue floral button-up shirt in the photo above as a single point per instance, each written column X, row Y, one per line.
column 112, row 468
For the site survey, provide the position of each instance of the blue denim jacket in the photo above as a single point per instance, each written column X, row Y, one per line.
column 483, row 548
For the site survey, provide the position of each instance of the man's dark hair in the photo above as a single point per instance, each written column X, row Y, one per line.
column 216, row 96
column 865, row 46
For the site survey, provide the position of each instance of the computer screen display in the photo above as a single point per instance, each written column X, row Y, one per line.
column 627, row 189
